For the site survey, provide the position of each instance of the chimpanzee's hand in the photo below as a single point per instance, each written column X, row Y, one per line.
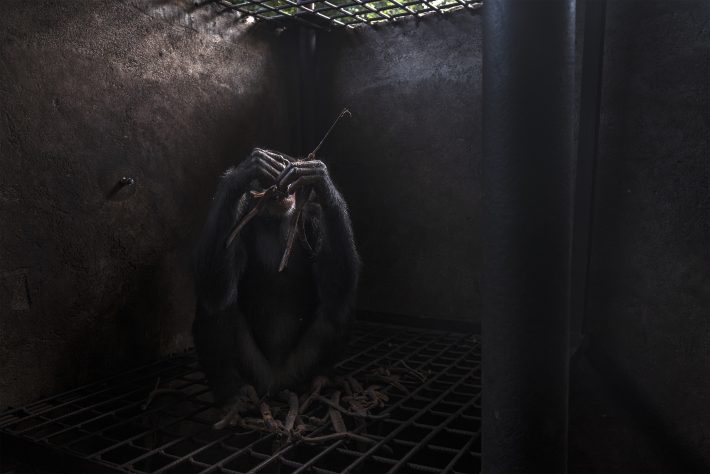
column 300, row 174
column 264, row 166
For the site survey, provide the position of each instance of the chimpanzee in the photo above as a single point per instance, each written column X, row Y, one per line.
column 255, row 324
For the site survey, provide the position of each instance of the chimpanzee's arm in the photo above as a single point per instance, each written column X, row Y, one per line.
column 217, row 267
column 223, row 339
column 337, row 268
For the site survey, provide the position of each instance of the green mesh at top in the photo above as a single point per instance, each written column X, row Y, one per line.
column 344, row 13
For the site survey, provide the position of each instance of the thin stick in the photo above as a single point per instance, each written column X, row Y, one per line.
column 292, row 411
column 255, row 421
column 345, row 112
column 335, row 416
column 388, row 379
column 263, row 198
column 250, row 215
column 359, row 408
column 267, row 416
column 317, row 387
column 314, row 419
column 417, row 373
column 357, row 387
column 250, row 392
column 160, row 391
column 346, row 386
column 151, row 395
column 300, row 425
column 350, row 413
column 293, row 226
column 378, row 398
column 266, row 195
column 335, row 437
column 231, row 418
column 252, row 424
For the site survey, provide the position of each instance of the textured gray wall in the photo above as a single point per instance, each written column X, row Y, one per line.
column 408, row 160
column 91, row 91
column 649, row 287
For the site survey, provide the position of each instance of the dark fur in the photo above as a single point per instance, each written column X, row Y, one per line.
column 258, row 326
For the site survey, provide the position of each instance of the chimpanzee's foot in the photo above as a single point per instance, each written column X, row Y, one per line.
column 319, row 383
column 244, row 401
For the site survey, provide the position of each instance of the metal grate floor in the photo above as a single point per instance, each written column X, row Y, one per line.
column 433, row 428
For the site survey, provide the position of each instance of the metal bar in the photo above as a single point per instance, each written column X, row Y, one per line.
column 528, row 77
column 449, row 467
column 307, row 44
column 587, row 144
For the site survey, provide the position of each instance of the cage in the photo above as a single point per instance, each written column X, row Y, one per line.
column 527, row 184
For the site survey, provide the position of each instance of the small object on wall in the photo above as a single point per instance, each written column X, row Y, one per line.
column 123, row 189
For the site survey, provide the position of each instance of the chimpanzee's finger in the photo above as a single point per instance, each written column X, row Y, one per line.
column 265, row 158
column 295, row 172
column 265, row 176
column 310, row 164
column 277, row 156
column 284, row 172
column 273, row 169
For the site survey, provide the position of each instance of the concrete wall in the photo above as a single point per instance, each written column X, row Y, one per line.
column 649, row 288
column 408, row 160
column 91, row 91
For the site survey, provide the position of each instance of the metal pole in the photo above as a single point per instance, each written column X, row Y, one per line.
column 587, row 141
column 528, row 77
column 307, row 76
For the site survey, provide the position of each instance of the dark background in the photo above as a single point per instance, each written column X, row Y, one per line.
column 648, row 298
column 92, row 91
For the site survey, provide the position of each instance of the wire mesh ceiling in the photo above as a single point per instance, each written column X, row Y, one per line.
column 344, row 13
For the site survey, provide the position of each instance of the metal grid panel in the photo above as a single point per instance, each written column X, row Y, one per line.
column 433, row 428
column 344, row 13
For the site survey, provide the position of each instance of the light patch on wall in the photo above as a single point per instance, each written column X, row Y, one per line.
column 203, row 17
